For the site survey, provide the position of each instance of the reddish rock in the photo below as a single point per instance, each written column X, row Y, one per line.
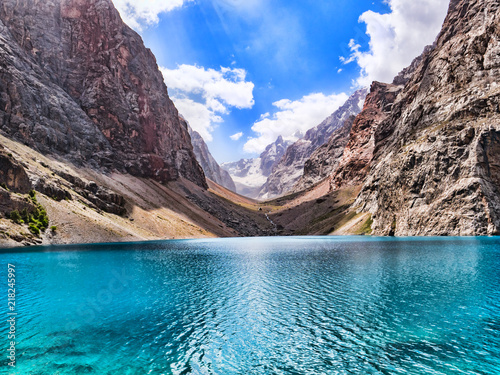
column 76, row 81
column 358, row 153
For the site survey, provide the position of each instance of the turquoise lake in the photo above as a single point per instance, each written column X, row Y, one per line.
column 298, row 305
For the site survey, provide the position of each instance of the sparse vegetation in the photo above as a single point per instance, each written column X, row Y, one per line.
column 32, row 195
column 37, row 219
column 15, row 216
column 34, row 229
column 4, row 185
column 367, row 226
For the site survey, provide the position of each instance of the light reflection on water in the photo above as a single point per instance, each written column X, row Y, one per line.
column 313, row 305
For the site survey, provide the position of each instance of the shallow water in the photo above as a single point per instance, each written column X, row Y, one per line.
column 314, row 305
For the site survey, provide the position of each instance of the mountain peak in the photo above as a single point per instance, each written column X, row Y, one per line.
column 291, row 166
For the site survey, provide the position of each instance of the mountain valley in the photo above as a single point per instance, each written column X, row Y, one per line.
column 92, row 149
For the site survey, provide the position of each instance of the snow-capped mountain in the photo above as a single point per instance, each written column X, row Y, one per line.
column 249, row 175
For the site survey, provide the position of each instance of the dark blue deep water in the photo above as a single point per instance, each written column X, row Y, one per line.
column 314, row 305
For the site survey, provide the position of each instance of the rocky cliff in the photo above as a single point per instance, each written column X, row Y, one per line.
column 75, row 81
column 272, row 155
column 210, row 166
column 12, row 174
column 250, row 175
column 326, row 158
column 291, row 166
column 436, row 156
column 357, row 156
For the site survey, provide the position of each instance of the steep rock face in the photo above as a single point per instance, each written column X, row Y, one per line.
column 436, row 168
column 76, row 81
column 358, row 153
column 291, row 166
column 250, row 175
column 13, row 176
column 272, row 155
column 326, row 158
column 407, row 73
column 210, row 166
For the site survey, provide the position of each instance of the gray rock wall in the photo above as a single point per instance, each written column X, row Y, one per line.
column 437, row 155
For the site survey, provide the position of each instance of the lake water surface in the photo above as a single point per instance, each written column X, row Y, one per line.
column 312, row 305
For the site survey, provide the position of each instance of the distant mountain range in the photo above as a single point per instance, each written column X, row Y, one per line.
column 281, row 165
column 250, row 175
column 290, row 168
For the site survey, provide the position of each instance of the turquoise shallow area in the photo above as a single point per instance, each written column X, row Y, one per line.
column 312, row 305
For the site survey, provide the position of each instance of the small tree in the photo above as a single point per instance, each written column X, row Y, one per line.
column 34, row 229
column 32, row 195
column 15, row 216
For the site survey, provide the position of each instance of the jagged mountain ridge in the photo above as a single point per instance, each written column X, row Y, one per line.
column 210, row 166
column 290, row 168
column 77, row 82
column 325, row 159
column 357, row 156
column 346, row 158
column 250, row 174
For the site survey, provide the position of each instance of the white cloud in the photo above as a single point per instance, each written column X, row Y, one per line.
column 202, row 95
column 137, row 13
column 293, row 119
column 236, row 136
column 396, row 38
column 199, row 117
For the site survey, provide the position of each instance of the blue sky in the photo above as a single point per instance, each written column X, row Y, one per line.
column 245, row 71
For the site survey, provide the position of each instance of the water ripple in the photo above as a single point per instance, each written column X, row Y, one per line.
column 262, row 306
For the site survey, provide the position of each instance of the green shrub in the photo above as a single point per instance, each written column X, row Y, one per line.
column 34, row 229
column 53, row 228
column 32, row 195
column 4, row 186
column 15, row 216
column 37, row 220
column 44, row 222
